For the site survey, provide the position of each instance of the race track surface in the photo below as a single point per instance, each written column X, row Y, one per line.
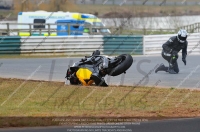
column 140, row 73
column 177, row 125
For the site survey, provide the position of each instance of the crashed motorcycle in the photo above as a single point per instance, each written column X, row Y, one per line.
column 93, row 69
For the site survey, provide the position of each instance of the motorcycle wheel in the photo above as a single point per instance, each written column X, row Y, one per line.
column 124, row 62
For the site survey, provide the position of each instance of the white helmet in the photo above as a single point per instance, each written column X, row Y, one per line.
column 182, row 35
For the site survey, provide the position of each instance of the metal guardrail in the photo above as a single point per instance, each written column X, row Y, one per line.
column 84, row 45
column 71, row 45
column 153, row 43
column 52, row 45
column 49, row 28
column 14, row 29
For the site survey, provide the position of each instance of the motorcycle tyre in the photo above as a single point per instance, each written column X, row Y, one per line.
column 123, row 66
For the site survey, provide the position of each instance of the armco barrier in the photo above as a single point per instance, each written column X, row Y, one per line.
column 71, row 45
column 153, row 43
column 123, row 44
column 10, row 45
column 65, row 45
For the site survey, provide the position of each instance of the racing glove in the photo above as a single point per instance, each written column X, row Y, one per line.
column 184, row 61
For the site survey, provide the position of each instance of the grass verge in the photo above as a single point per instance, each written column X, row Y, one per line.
column 141, row 10
column 38, row 103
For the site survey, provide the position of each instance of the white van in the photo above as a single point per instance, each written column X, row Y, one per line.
column 51, row 18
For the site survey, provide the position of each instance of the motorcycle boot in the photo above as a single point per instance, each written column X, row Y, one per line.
column 171, row 70
column 161, row 68
column 171, row 65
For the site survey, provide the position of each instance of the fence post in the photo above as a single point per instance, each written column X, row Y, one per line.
column 8, row 29
column 193, row 28
column 49, row 33
column 144, row 48
column 90, row 29
column 40, row 31
column 195, row 25
column 68, row 29
column 30, row 30
column 144, row 31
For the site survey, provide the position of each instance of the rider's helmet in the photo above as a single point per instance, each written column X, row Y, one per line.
column 182, row 35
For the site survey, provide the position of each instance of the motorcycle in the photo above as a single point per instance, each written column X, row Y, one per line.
column 93, row 69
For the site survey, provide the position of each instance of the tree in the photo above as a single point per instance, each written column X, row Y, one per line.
column 22, row 5
column 47, row 5
column 62, row 5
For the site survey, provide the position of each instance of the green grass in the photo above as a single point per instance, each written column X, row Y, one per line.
column 57, row 99
column 6, row 15
column 41, row 103
column 143, row 32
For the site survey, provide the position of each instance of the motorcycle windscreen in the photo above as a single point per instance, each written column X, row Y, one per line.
column 84, row 73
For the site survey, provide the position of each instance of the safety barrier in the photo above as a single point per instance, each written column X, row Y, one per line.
column 153, row 43
column 84, row 45
column 71, row 45
column 10, row 45
column 123, row 44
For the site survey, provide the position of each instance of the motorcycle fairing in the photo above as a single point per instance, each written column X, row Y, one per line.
column 84, row 76
column 84, row 73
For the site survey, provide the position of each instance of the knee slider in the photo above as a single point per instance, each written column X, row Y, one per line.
column 175, row 56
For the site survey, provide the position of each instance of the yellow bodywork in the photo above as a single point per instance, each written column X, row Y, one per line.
column 43, row 34
column 84, row 74
column 77, row 16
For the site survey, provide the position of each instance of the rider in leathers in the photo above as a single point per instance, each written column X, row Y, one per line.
column 170, row 52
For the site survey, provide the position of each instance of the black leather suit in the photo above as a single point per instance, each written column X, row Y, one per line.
column 171, row 49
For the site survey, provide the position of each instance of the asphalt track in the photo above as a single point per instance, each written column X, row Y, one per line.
column 177, row 125
column 140, row 73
